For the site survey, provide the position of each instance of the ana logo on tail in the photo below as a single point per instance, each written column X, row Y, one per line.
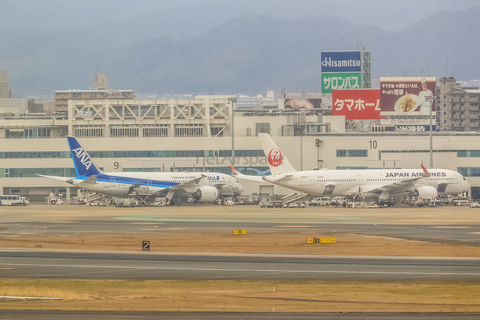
column 83, row 157
column 275, row 157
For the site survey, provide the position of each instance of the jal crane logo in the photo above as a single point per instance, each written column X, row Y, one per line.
column 83, row 157
column 275, row 157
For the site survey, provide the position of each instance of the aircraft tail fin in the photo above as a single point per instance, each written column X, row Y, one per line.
column 426, row 174
column 82, row 161
column 277, row 162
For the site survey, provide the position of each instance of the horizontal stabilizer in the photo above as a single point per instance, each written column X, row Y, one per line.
column 90, row 180
column 245, row 177
column 55, row 178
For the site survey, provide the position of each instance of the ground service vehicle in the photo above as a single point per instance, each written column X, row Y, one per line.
column 338, row 200
column 323, row 201
column 13, row 200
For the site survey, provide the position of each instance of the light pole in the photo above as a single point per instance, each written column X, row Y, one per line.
column 431, row 99
column 431, row 139
column 233, row 100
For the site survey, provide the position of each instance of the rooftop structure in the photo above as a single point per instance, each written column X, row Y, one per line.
column 4, row 90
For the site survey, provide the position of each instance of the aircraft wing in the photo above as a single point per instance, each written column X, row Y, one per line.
column 189, row 186
column 397, row 186
column 245, row 177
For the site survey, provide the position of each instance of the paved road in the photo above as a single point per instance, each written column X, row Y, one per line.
column 60, row 265
column 115, row 315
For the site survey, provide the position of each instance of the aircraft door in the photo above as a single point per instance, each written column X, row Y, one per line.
column 113, row 182
column 360, row 180
column 149, row 181
column 312, row 180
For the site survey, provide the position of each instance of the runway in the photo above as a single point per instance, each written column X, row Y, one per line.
column 447, row 225
column 115, row 315
column 64, row 265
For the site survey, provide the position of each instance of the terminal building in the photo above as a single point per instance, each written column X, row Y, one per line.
column 131, row 135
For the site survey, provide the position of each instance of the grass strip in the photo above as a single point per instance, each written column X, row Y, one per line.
column 240, row 296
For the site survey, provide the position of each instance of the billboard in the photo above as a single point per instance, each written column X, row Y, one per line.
column 356, row 104
column 342, row 61
column 341, row 81
column 416, row 128
column 407, row 96
column 302, row 104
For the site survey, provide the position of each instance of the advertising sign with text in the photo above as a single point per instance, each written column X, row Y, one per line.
column 341, row 81
column 407, row 96
column 356, row 104
column 341, row 61
column 416, row 128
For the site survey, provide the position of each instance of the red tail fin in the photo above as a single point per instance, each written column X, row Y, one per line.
column 426, row 174
column 235, row 170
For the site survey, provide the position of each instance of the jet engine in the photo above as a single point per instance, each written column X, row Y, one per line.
column 206, row 194
column 426, row 192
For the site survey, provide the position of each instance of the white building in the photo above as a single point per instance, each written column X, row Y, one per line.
column 196, row 134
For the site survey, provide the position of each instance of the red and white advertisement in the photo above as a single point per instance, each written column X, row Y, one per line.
column 407, row 96
column 356, row 104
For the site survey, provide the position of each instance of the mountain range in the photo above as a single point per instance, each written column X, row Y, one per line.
column 249, row 54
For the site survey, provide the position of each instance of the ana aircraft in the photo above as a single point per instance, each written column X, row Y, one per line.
column 203, row 186
column 369, row 183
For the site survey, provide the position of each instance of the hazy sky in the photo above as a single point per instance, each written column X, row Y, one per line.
column 49, row 45
column 190, row 17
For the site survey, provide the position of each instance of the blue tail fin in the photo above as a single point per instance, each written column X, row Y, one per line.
column 84, row 165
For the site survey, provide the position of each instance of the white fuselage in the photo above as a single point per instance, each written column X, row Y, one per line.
column 353, row 182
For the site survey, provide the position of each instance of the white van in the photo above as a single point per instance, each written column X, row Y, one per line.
column 340, row 200
column 323, row 201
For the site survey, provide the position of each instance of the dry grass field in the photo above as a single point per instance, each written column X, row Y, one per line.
column 240, row 296
column 255, row 243
column 236, row 296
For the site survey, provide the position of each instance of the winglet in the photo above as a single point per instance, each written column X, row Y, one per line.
column 426, row 174
column 235, row 170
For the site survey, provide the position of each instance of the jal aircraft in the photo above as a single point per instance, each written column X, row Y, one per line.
column 203, row 186
column 369, row 183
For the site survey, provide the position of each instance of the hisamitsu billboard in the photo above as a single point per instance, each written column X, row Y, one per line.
column 356, row 104
column 342, row 61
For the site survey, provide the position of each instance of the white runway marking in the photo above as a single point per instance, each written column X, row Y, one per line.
column 248, row 270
